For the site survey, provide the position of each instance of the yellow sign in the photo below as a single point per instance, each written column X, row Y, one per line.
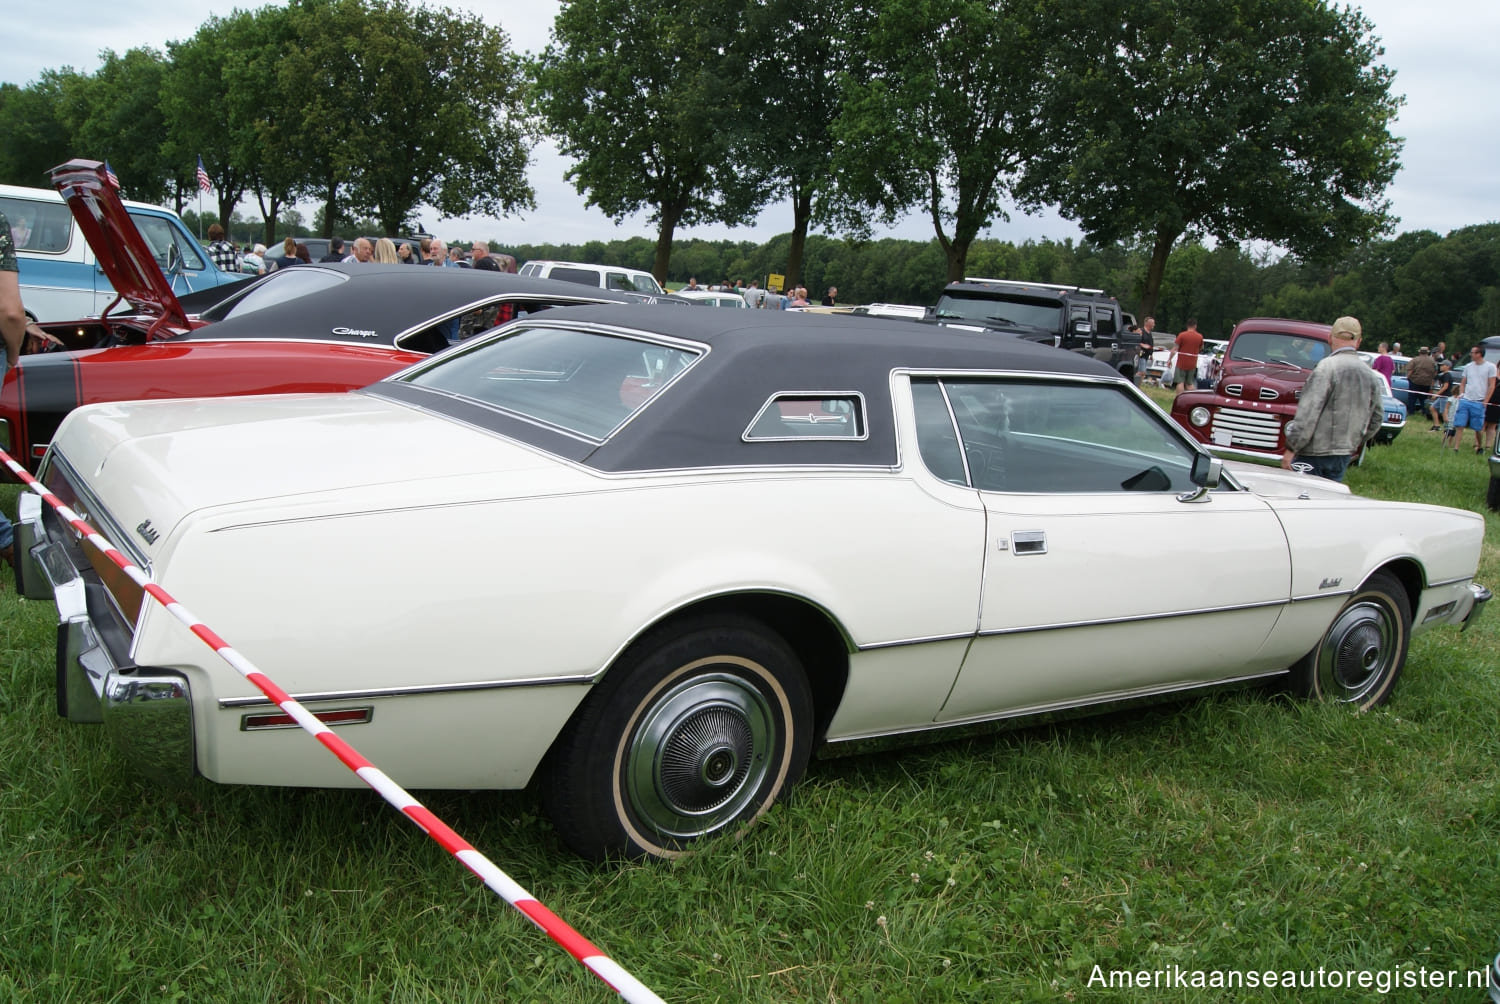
column 774, row 282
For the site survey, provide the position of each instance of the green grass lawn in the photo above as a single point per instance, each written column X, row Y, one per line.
column 1240, row 831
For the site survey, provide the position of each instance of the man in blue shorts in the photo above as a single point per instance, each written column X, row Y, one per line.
column 1473, row 393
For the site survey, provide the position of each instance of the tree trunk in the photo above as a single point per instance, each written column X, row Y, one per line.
column 663, row 249
column 669, row 217
column 801, row 216
column 269, row 215
column 330, row 208
column 1156, row 270
column 957, row 253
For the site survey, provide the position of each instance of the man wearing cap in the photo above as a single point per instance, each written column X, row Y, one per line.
column 1340, row 409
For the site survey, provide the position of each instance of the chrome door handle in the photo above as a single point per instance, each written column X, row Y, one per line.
column 1029, row 541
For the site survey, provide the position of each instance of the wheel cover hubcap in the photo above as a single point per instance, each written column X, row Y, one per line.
column 1358, row 652
column 700, row 755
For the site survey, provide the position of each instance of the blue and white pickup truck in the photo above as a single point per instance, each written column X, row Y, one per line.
column 61, row 279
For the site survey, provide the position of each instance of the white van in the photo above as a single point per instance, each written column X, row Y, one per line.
column 61, row 279
column 617, row 277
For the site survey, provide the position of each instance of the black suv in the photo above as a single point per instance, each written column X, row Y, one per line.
column 1071, row 317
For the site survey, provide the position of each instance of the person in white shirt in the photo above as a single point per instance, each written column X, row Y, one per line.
column 1474, row 392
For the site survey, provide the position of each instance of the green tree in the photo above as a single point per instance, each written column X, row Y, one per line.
column 208, row 112
column 115, row 115
column 263, row 91
column 37, row 138
column 642, row 94
column 1232, row 119
column 1440, row 290
column 795, row 56
column 939, row 113
column 405, row 105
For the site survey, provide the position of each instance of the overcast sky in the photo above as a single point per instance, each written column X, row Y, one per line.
column 1442, row 51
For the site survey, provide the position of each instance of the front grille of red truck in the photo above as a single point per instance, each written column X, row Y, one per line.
column 1248, row 430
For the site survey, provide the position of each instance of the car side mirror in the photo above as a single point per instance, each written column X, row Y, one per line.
column 174, row 259
column 1208, row 471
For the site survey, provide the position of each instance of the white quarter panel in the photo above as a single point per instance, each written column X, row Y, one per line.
column 549, row 587
column 1337, row 543
column 1135, row 591
column 479, row 739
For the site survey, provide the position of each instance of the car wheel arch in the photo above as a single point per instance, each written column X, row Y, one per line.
column 1411, row 576
column 818, row 638
column 703, row 721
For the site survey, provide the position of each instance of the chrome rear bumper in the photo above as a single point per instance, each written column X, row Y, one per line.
column 1482, row 596
column 147, row 713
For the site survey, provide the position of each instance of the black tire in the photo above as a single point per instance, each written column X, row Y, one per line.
column 697, row 729
column 1492, row 497
column 1361, row 656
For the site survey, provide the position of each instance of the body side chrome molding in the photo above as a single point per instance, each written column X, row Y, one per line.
column 414, row 691
column 1042, row 713
column 1135, row 618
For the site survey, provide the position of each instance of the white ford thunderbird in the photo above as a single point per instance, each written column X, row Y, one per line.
column 654, row 558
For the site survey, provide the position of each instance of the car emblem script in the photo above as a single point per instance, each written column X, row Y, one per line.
column 1329, row 583
column 147, row 531
column 361, row 332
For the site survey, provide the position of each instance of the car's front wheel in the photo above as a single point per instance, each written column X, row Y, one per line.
column 1361, row 655
column 1492, row 497
column 698, row 729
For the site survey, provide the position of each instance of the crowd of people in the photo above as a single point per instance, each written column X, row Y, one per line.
column 767, row 299
column 256, row 259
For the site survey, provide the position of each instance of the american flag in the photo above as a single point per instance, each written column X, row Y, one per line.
column 203, row 180
column 110, row 175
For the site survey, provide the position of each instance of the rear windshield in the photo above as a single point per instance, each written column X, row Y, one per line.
column 583, row 382
column 278, row 287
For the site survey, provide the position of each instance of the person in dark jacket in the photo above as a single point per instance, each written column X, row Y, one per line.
column 1420, row 373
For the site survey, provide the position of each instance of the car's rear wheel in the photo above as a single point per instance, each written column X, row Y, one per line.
column 698, row 729
column 1360, row 657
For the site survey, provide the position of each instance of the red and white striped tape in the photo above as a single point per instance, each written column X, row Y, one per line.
column 576, row 945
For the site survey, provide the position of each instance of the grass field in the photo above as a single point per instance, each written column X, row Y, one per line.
column 1241, row 831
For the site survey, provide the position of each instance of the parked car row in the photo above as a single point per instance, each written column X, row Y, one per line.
column 660, row 700
column 320, row 327
column 522, row 437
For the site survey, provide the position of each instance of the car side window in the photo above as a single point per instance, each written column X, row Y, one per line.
column 43, row 227
column 161, row 236
column 1048, row 437
column 937, row 440
column 809, row 416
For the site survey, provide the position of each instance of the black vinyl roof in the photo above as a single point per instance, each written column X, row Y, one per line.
column 387, row 300
column 699, row 421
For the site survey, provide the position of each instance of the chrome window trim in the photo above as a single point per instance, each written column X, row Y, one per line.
column 862, row 417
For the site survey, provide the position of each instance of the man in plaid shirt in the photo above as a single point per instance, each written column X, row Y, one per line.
column 224, row 254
